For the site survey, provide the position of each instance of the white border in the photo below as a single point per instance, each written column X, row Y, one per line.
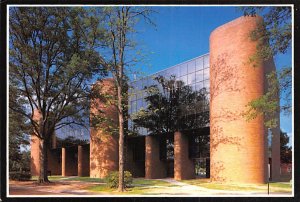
column 148, row 5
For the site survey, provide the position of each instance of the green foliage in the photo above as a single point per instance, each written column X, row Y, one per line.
column 19, row 161
column 274, row 37
column 113, row 179
column 51, row 64
column 285, row 150
column 266, row 105
column 19, row 175
column 276, row 29
column 279, row 86
column 70, row 141
column 52, row 61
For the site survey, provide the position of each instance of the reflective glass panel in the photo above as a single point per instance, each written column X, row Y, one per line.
column 191, row 78
column 184, row 79
column 199, row 76
column 206, row 61
column 191, row 66
column 206, row 74
column 183, row 69
column 199, row 64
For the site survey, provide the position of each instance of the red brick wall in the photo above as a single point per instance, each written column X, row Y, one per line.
column 286, row 172
column 83, row 160
column 183, row 166
column 80, row 161
column 104, row 150
column 237, row 147
column 35, row 156
column 154, row 167
column 54, row 161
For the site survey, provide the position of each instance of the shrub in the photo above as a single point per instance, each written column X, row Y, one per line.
column 20, row 175
column 113, row 179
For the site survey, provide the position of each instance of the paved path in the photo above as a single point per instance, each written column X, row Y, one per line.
column 181, row 188
column 53, row 188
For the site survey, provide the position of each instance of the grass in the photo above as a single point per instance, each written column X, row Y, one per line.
column 274, row 186
column 139, row 186
column 85, row 179
column 144, row 182
column 280, row 185
column 143, row 186
column 51, row 178
column 59, row 177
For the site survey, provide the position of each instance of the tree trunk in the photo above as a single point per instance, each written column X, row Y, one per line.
column 43, row 177
column 121, row 141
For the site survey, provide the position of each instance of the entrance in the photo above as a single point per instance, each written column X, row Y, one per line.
column 166, row 149
column 170, row 156
column 202, row 167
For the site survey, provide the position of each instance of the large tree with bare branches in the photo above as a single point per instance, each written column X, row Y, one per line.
column 52, row 59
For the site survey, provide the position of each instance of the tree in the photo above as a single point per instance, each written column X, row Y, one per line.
column 51, row 61
column 119, row 55
column 18, row 128
column 285, row 150
column 274, row 36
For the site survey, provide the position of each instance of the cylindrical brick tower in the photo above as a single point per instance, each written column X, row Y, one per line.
column 104, row 150
column 237, row 147
column 35, row 148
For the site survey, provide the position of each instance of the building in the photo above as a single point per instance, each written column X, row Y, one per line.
column 226, row 148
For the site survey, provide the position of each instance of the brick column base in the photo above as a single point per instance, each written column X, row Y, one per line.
column 80, row 161
column 183, row 167
column 154, row 167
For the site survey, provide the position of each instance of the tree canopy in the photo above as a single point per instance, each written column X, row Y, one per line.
column 285, row 149
column 274, row 36
column 52, row 60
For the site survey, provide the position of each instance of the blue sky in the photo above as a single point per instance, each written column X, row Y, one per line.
column 182, row 33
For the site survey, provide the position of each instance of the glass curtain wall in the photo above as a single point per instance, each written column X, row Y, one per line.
column 193, row 73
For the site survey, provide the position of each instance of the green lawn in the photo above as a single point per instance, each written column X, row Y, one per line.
column 85, row 179
column 274, row 186
column 144, row 182
column 139, row 186
column 59, row 177
column 51, row 178
column 145, row 186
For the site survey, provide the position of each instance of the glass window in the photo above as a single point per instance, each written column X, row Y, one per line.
column 133, row 107
column 191, row 66
column 174, row 71
column 206, row 61
column 183, row 69
column 199, row 76
column 191, row 78
column 138, row 84
column 199, row 64
column 129, row 125
column 139, row 94
column 184, row 79
column 206, row 74
column 139, row 104
column 198, row 86
column 206, row 85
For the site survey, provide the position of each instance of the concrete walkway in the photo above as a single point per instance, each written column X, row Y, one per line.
column 181, row 188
